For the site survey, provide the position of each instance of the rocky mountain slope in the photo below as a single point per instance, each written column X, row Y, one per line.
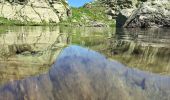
column 139, row 13
column 90, row 15
column 150, row 14
column 38, row 11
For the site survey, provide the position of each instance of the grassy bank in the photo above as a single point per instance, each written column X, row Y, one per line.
column 88, row 15
column 10, row 22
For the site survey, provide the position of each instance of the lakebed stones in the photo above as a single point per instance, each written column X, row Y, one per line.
column 83, row 74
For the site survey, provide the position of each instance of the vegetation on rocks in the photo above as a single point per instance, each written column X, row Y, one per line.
column 11, row 22
column 91, row 14
column 25, row 12
column 99, row 13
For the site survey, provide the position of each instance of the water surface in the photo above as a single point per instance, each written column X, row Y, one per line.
column 28, row 51
column 83, row 74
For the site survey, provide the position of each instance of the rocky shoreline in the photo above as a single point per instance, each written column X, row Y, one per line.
column 99, row 13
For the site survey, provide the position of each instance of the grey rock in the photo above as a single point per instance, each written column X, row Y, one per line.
column 120, row 9
column 123, row 16
column 139, row 13
column 150, row 14
column 96, row 24
column 37, row 11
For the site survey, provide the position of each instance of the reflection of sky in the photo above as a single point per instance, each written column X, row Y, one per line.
column 78, row 3
column 78, row 51
column 80, row 68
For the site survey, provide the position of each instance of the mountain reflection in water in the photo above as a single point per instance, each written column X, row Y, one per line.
column 145, row 49
column 82, row 74
column 27, row 51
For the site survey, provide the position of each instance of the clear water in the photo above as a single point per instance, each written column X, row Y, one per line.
column 28, row 51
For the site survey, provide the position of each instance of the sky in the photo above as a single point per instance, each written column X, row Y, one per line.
column 78, row 3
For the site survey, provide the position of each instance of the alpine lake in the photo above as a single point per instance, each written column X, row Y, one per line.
column 27, row 51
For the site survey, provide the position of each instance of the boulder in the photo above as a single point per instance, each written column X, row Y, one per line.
column 34, row 10
column 150, row 14
column 123, row 16
column 96, row 24
column 120, row 10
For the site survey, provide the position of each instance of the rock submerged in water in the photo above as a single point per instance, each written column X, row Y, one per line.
column 82, row 74
column 150, row 14
column 39, row 11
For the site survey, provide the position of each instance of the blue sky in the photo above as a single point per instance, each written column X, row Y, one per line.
column 78, row 3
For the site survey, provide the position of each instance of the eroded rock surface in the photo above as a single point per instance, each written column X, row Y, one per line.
column 120, row 9
column 83, row 74
column 50, row 11
column 139, row 13
column 150, row 14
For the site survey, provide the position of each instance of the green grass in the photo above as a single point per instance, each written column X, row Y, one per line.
column 85, row 15
column 91, row 14
column 11, row 22
column 80, row 16
column 5, row 21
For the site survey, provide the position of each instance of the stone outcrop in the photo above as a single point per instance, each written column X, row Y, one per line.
column 49, row 11
column 139, row 13
column 150, row 14
column 120, row 9
column 115, row 6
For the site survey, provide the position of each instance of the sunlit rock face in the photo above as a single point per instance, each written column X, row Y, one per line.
column 27, row 51
column 139, row 13
column 120, row 9
column 154, row 13
column 50, row 11
column 83, row 74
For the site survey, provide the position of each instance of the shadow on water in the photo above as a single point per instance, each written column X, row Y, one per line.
column 82, row 74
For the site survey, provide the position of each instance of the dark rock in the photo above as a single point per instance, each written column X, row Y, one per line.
column 19, row 48
column 88, row 5
column 96, row 24
column 123, row 16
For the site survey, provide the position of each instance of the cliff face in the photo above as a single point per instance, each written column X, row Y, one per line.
column 139, row 13
column 115, row 6
column 120, row 10
column 50, row 11
column 150, row 14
